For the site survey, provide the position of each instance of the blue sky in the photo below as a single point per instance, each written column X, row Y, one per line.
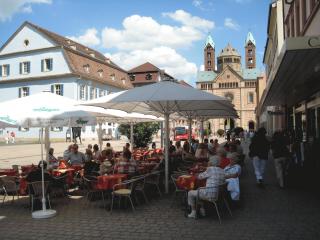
column 168, row 33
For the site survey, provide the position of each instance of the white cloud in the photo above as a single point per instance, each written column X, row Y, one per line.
column 232, row 24
column 10, row 7
column 163, row 57
column 188, row 20
column 140, row 32
column 90, row 37
column 203, row 7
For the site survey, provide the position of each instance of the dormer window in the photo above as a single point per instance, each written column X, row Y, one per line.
column 100, row 73
column 86, row 68
column 73, row 47
column 26, row 42
column 132, row 77
column 68, row 41
column 149, row 76
column 92, row 55
column 112, row 76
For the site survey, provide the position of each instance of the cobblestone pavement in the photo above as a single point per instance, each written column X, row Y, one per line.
column 269, row 213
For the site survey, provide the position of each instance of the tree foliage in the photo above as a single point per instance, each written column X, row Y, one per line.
column 142, row 132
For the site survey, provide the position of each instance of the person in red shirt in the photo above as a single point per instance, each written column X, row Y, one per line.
column 224, row 161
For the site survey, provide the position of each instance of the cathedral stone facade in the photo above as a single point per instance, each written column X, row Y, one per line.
column 229, row 79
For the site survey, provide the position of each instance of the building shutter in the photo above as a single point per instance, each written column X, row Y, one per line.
column 20, row 68
column 42, row 65
column 0, row 71
column 52, row 88
column 28, row 91
column 87, row 92
column 19, row 92
column 28, row 67
column 51, row 64
column 61, row 89
column 8, row 70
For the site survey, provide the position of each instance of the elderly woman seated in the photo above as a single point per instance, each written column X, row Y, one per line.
column 215, row 176
column 222, row 154
column 233, row 171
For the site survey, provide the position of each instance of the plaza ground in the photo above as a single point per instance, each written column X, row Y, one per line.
column 270, row 213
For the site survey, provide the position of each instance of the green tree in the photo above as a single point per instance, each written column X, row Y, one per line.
column 142, row 132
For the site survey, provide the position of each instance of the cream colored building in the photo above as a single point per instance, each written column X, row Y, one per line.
column 229, row 79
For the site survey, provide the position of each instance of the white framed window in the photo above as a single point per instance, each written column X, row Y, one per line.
column 4, row 70
column 56, row 129
column 46, row 65
column 25, row 67
column 22, row 129
column 83, row 92
column 149, row 76
column 92, row 93
column 100, row 73
column 102, row 93
column 24, row 92
column 86, row 68
column 250, row 97
column 57, row 89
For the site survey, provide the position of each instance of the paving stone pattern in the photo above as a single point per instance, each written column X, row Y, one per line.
column 269, row 213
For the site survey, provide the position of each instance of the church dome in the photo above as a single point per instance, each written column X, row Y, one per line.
column 229, row 51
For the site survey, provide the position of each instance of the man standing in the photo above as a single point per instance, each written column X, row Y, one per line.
column 259, row 150
column 13, row 136
column 7, row 137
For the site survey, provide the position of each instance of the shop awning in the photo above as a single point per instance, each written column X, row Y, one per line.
column 296, row 74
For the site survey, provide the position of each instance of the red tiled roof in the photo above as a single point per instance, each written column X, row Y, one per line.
column 146, row 67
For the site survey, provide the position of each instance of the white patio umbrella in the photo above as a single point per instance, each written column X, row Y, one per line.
column 162, row 99
column 46, row 110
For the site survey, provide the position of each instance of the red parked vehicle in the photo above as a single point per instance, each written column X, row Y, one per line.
column 182, row 134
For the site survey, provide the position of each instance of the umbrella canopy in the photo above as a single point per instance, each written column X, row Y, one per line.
column 162, row 99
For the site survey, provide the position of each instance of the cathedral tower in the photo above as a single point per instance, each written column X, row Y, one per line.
column 250, row 51
column 209, row 55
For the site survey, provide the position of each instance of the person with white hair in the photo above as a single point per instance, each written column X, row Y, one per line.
column 233, row 171
column 215, row 177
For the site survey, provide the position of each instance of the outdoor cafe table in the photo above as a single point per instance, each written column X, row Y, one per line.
column 146, row 167
column 106, row 182
column 69, row 171
column 190, row 182
column 8, row 172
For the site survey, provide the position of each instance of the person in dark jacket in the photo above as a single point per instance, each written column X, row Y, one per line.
column 259, row 150
column 280, row 153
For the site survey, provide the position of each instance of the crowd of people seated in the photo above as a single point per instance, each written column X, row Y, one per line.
column 223, row 165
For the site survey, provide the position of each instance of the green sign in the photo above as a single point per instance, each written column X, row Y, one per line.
column 81, row 121
column 45, row 109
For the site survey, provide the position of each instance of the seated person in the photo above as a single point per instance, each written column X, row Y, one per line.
column 105, row 167
column 96, row 152
column 202, row 152
column 215, row 176
column 108, row 147
column 53, row 162
column 67, row 152
column 178, row 148
column 211, row 147
column 36, row 174
column 186, row 155
column 126, row 165
column 91, row 168
column 76, row 157
column 224, row 161
column 239, row 147
column 90, row 147
column 172, row 148
column 88, row 155
column 233, row 171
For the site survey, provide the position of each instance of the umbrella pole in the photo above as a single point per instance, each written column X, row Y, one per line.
column 201, row 130
column 161, row 135
column 100, row 136
column 44, row 213
column 190, row 129
column 166, row 147
column 131, row 136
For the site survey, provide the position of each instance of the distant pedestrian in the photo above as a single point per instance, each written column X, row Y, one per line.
column 7, row 137
column 259, row 150
column 280, row 152
column 12, row 137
